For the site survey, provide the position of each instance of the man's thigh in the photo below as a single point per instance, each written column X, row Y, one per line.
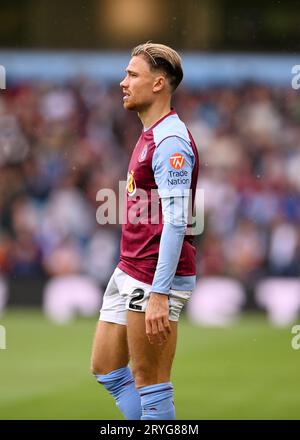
column 151, row 363
column 110, row 348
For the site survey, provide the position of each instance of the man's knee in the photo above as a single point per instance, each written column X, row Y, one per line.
column 104, row 366
column 143, row 374
column 110, row 350
column 98, row 367
column 149, row 375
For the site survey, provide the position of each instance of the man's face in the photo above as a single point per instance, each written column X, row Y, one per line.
column 139, row 85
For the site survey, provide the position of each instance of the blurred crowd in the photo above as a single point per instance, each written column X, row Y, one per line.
column 61, row 143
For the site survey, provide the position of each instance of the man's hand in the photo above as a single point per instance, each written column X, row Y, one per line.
column 157, row 318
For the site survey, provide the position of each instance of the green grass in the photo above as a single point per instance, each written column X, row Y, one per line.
column 245, row 371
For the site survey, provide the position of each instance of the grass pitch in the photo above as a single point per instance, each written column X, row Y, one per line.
column 246, row 371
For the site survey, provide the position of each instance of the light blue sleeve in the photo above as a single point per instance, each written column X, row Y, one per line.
column 169, row 252
column 173, row 190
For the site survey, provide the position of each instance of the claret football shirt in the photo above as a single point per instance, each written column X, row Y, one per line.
column 161, row 183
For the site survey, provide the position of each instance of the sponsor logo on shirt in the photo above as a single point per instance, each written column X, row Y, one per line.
column 143, row 154
column 178, row 177
column 131, row 185
column 177, row 161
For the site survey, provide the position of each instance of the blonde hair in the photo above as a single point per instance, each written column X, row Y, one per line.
column 164, row 58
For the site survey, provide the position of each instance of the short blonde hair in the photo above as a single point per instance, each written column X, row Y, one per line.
column 161, row 57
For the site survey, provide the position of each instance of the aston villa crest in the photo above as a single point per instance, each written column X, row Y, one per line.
column 131, row 185
column 143, row 154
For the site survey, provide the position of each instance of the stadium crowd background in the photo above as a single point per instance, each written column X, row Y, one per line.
column 62, row 142
column 64, row 136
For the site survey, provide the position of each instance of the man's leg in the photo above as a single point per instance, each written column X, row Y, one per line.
column 152, row 365
column 110, row 367
column 110, row 350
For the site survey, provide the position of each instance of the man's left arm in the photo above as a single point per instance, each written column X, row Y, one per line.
column 173, row 163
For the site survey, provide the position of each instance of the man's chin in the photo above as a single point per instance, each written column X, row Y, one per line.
column 129, row 106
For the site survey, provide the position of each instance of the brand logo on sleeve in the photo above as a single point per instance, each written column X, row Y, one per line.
column 182, row 177
column 177, row 161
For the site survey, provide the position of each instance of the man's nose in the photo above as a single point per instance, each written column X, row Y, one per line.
column 123, row 83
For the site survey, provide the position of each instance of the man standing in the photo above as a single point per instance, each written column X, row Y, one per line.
column 156, row 272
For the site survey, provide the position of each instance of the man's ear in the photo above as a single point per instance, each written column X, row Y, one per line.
column 159, row 83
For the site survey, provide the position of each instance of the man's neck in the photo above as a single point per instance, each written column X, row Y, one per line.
column 154, row 114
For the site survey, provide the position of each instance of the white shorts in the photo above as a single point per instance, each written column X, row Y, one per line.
column 126, row 293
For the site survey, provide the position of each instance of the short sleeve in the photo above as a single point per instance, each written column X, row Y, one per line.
column 172, row 164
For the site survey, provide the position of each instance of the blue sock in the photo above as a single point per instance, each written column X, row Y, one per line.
column 120, row 384
column 157, row 402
